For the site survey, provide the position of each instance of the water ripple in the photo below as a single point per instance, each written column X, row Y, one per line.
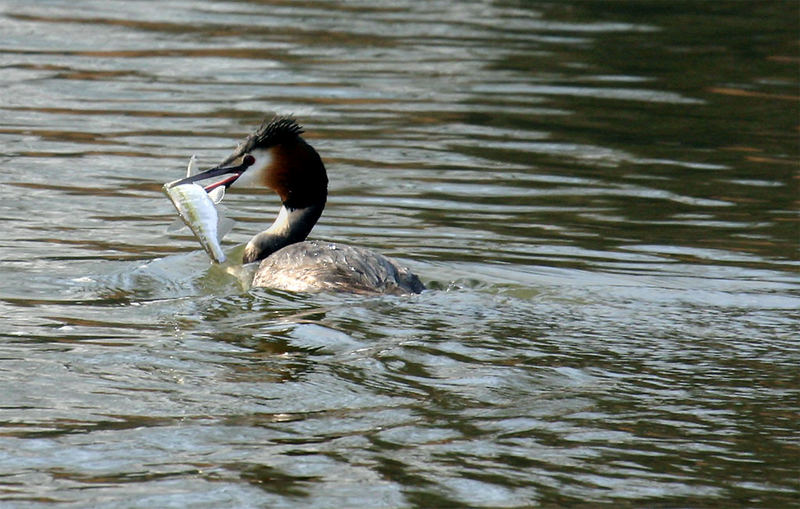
column 601, row 201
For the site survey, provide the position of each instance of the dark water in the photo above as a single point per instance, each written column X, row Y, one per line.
column 601, row 197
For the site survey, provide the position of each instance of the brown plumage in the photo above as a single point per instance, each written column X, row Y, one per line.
column 297, row 174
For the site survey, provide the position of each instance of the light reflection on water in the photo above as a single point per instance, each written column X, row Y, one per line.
column 602, row 202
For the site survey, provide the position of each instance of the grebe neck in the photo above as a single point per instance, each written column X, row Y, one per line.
column 292, row 225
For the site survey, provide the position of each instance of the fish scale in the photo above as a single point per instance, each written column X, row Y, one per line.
column 196, row 208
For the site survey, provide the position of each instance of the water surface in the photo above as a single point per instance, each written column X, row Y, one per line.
column 600, row 196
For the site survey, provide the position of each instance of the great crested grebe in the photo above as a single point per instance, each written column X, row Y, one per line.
column 276, row 156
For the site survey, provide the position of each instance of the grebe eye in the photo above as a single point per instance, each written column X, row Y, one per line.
column 248, row 160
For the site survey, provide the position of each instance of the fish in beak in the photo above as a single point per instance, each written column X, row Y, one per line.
column 196, row 205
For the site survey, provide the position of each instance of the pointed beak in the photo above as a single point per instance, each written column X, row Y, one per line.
column 232, row 172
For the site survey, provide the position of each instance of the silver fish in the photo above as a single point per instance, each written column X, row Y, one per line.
column 196, row 208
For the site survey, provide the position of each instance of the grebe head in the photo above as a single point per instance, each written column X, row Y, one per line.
column 276, row 156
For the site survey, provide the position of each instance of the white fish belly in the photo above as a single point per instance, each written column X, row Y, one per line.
column 198, row 211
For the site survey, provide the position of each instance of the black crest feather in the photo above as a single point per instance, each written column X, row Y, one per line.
column 275, row 132
column 272, row 132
